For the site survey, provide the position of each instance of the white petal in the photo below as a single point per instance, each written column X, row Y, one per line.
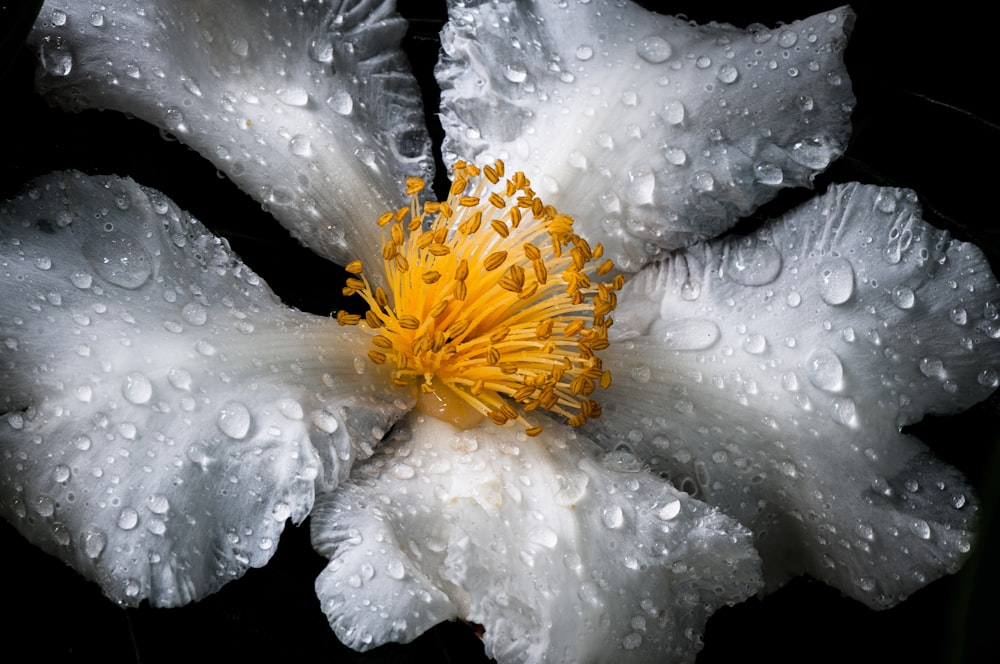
column 769, row 376
column 561, row 556
column 309, row 108
column 161, row 413
column 651, row 131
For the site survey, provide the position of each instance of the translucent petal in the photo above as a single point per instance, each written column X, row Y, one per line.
column 651, row 131
column 161, row 413
column 560, row 555
column 769, row 376
column 309, row 108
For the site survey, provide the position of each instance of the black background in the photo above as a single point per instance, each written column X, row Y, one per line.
column 924, row 120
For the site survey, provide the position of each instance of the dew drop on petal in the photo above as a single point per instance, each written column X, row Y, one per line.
column 836, row 281
column 654, row 49
column 128, row 518
column 825, row 370
column 612, row 516
column 119, row 259
column 234, row 420
column 137, row 389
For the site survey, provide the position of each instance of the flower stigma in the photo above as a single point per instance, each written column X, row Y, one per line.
column 484, row 312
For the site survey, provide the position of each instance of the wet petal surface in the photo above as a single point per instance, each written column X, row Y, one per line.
column 309, row 108
column 163, row 414
column 769, row 376
column 651, row 131
column 561, row 555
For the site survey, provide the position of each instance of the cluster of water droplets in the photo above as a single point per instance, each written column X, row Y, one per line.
column 328, row 111
column 793, row 356
column 132, row 366
column 648, row 79
column 534, row 532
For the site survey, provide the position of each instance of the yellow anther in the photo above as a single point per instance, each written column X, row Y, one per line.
column 483, row 326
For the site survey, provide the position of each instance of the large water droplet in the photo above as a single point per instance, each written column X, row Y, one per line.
column 137, row 389
column 670, row 510
column 515, row 72
column 612, row 516
column 118, row 258
column 768, row 173
column 690, row 334
column 836, row 281
column 673, row 112
column 300, row 145
column 128, row 518
column 903, row 297
column 293, row 96
column 93, row 541
column 653, row 49
column 752, row 261
column 234, row 420
column 341, row 102
column 825, row 370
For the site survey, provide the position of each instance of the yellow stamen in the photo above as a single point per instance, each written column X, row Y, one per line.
column 477, row 323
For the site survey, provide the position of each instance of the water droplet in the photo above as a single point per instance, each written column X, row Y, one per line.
column 755, row 344
column 787, row 38
column 933, row 367
column 234, row 420
column 640, row 188
column 836, row 281
column 825, row 370
column 690, row 334
column 82, row 442
column 640, row 374
column 727, row 73
column 45, row 505
column 341, row 102
column 768, row 173
column 543, row 536
column 81, row 280
column 56, row 57
column 137, row 389
column 903, row 297
column 194, row 313
column 703, row 181
column 988, row 378
column 675, row 155
column 394, row 568
column 670, row 510
column 959, row 316
column 515, row 72
column 321, row 50
column 752, row 261
column 325, row 421
column 612, row 516
column 584, row 52
column 845, row 411
column 159, row 504
column 58, row 18
column 653, row 49
column 291, row 409
column 921, row 529
column 673, row 112
column 300, row 146
column 293, row 96
column 60, row 473
column 128, row 518
column 815, row 153
column 632, row 641
column 118, row 259
column 93, row 541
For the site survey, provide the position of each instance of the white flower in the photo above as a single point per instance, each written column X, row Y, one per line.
column 165, row 415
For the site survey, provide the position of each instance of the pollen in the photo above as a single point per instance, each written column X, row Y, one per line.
column 492, row 303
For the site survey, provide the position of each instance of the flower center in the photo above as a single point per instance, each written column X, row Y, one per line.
column 491, row 303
